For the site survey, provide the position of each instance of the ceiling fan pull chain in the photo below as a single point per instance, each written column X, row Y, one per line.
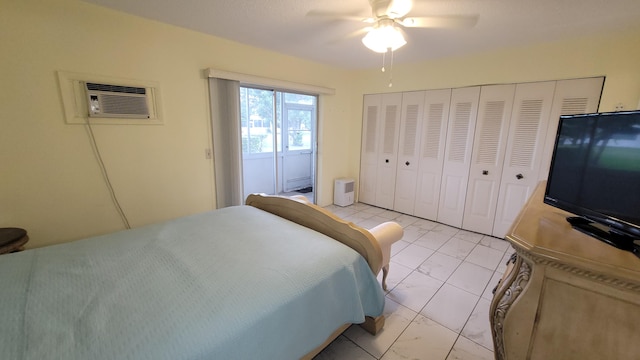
column 391, row 70
column 383, row 60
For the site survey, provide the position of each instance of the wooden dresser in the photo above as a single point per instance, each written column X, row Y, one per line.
column 566, row 295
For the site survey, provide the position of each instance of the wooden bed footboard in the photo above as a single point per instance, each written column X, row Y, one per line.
column 305, row 213
column 370, row 324
column 314, row 217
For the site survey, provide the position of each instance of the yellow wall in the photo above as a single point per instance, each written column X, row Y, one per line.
column 615, row 55
column 51, row 184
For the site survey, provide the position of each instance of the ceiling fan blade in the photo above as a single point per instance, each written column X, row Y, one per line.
column 399, row 8
column 329, row 15
column 353, row 34
column 446, row 22
column 393, row 9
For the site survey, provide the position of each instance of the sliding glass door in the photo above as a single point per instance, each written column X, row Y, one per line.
column 259, row 140
column 278, row 141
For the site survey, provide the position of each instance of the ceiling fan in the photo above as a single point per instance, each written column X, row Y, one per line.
column 390, row 16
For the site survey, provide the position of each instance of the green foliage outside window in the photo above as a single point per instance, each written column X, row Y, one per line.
column 297, row 138
column 253, row 144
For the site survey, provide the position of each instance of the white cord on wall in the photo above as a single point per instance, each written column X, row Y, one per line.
column 105, row 175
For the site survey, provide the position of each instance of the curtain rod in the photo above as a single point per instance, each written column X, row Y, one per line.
column 264, row 81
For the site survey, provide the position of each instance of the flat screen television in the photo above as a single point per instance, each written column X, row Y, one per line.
column 595, row 175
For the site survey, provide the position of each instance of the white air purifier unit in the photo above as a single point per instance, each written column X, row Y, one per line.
column 344, row 191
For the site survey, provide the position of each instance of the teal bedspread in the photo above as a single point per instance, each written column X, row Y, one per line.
column 235, row 283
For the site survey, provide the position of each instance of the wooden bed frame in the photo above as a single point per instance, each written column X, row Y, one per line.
column 305, row 213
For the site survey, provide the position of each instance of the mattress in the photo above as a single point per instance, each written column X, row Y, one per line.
column 234, row 283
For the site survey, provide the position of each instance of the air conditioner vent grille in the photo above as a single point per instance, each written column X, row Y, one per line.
column 116, row 88
column 117, row 101
column 113, row 104
column 349, row 187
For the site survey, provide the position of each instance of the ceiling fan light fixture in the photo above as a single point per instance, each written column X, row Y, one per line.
column 384, row 38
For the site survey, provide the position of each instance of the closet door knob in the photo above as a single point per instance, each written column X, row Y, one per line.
column 386, row 160
column 519, row 176
column 485, row 172
column 407, row 163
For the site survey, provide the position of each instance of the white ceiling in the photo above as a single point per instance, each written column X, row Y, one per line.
column 284, row 26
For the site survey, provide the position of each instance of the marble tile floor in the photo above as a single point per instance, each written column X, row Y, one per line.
column 439, row 291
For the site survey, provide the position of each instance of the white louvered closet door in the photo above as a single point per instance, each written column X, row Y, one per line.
column 575, row 96
column 408, row 148
column 369, row 151
column 388, row 153
column 527, row 131
column 487, row 159
column 431, row 156
column 455, row 171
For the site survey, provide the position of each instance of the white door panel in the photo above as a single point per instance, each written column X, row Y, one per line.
column 487, row 159
column 435, row 120
column 527, row 130
column 388, row 145
column 466, row 157
column 518, row 195
column 408, row 149
column 298, row 171
column 428, row 195
column 297, row 158
column 459, row 143
column 452, row 185
column 369, row 152
column 479, row 200
column 381, row 122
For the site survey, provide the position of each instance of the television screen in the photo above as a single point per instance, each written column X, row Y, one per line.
column 595, row 174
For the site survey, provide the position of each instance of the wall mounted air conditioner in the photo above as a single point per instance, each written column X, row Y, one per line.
column 98, row 99
column 117, row 101
column 344, row 191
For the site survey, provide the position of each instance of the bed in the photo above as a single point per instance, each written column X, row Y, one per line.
column 278, row 278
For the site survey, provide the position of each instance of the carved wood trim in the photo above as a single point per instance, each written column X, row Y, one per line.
column 622, row 284
column 508, row 297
